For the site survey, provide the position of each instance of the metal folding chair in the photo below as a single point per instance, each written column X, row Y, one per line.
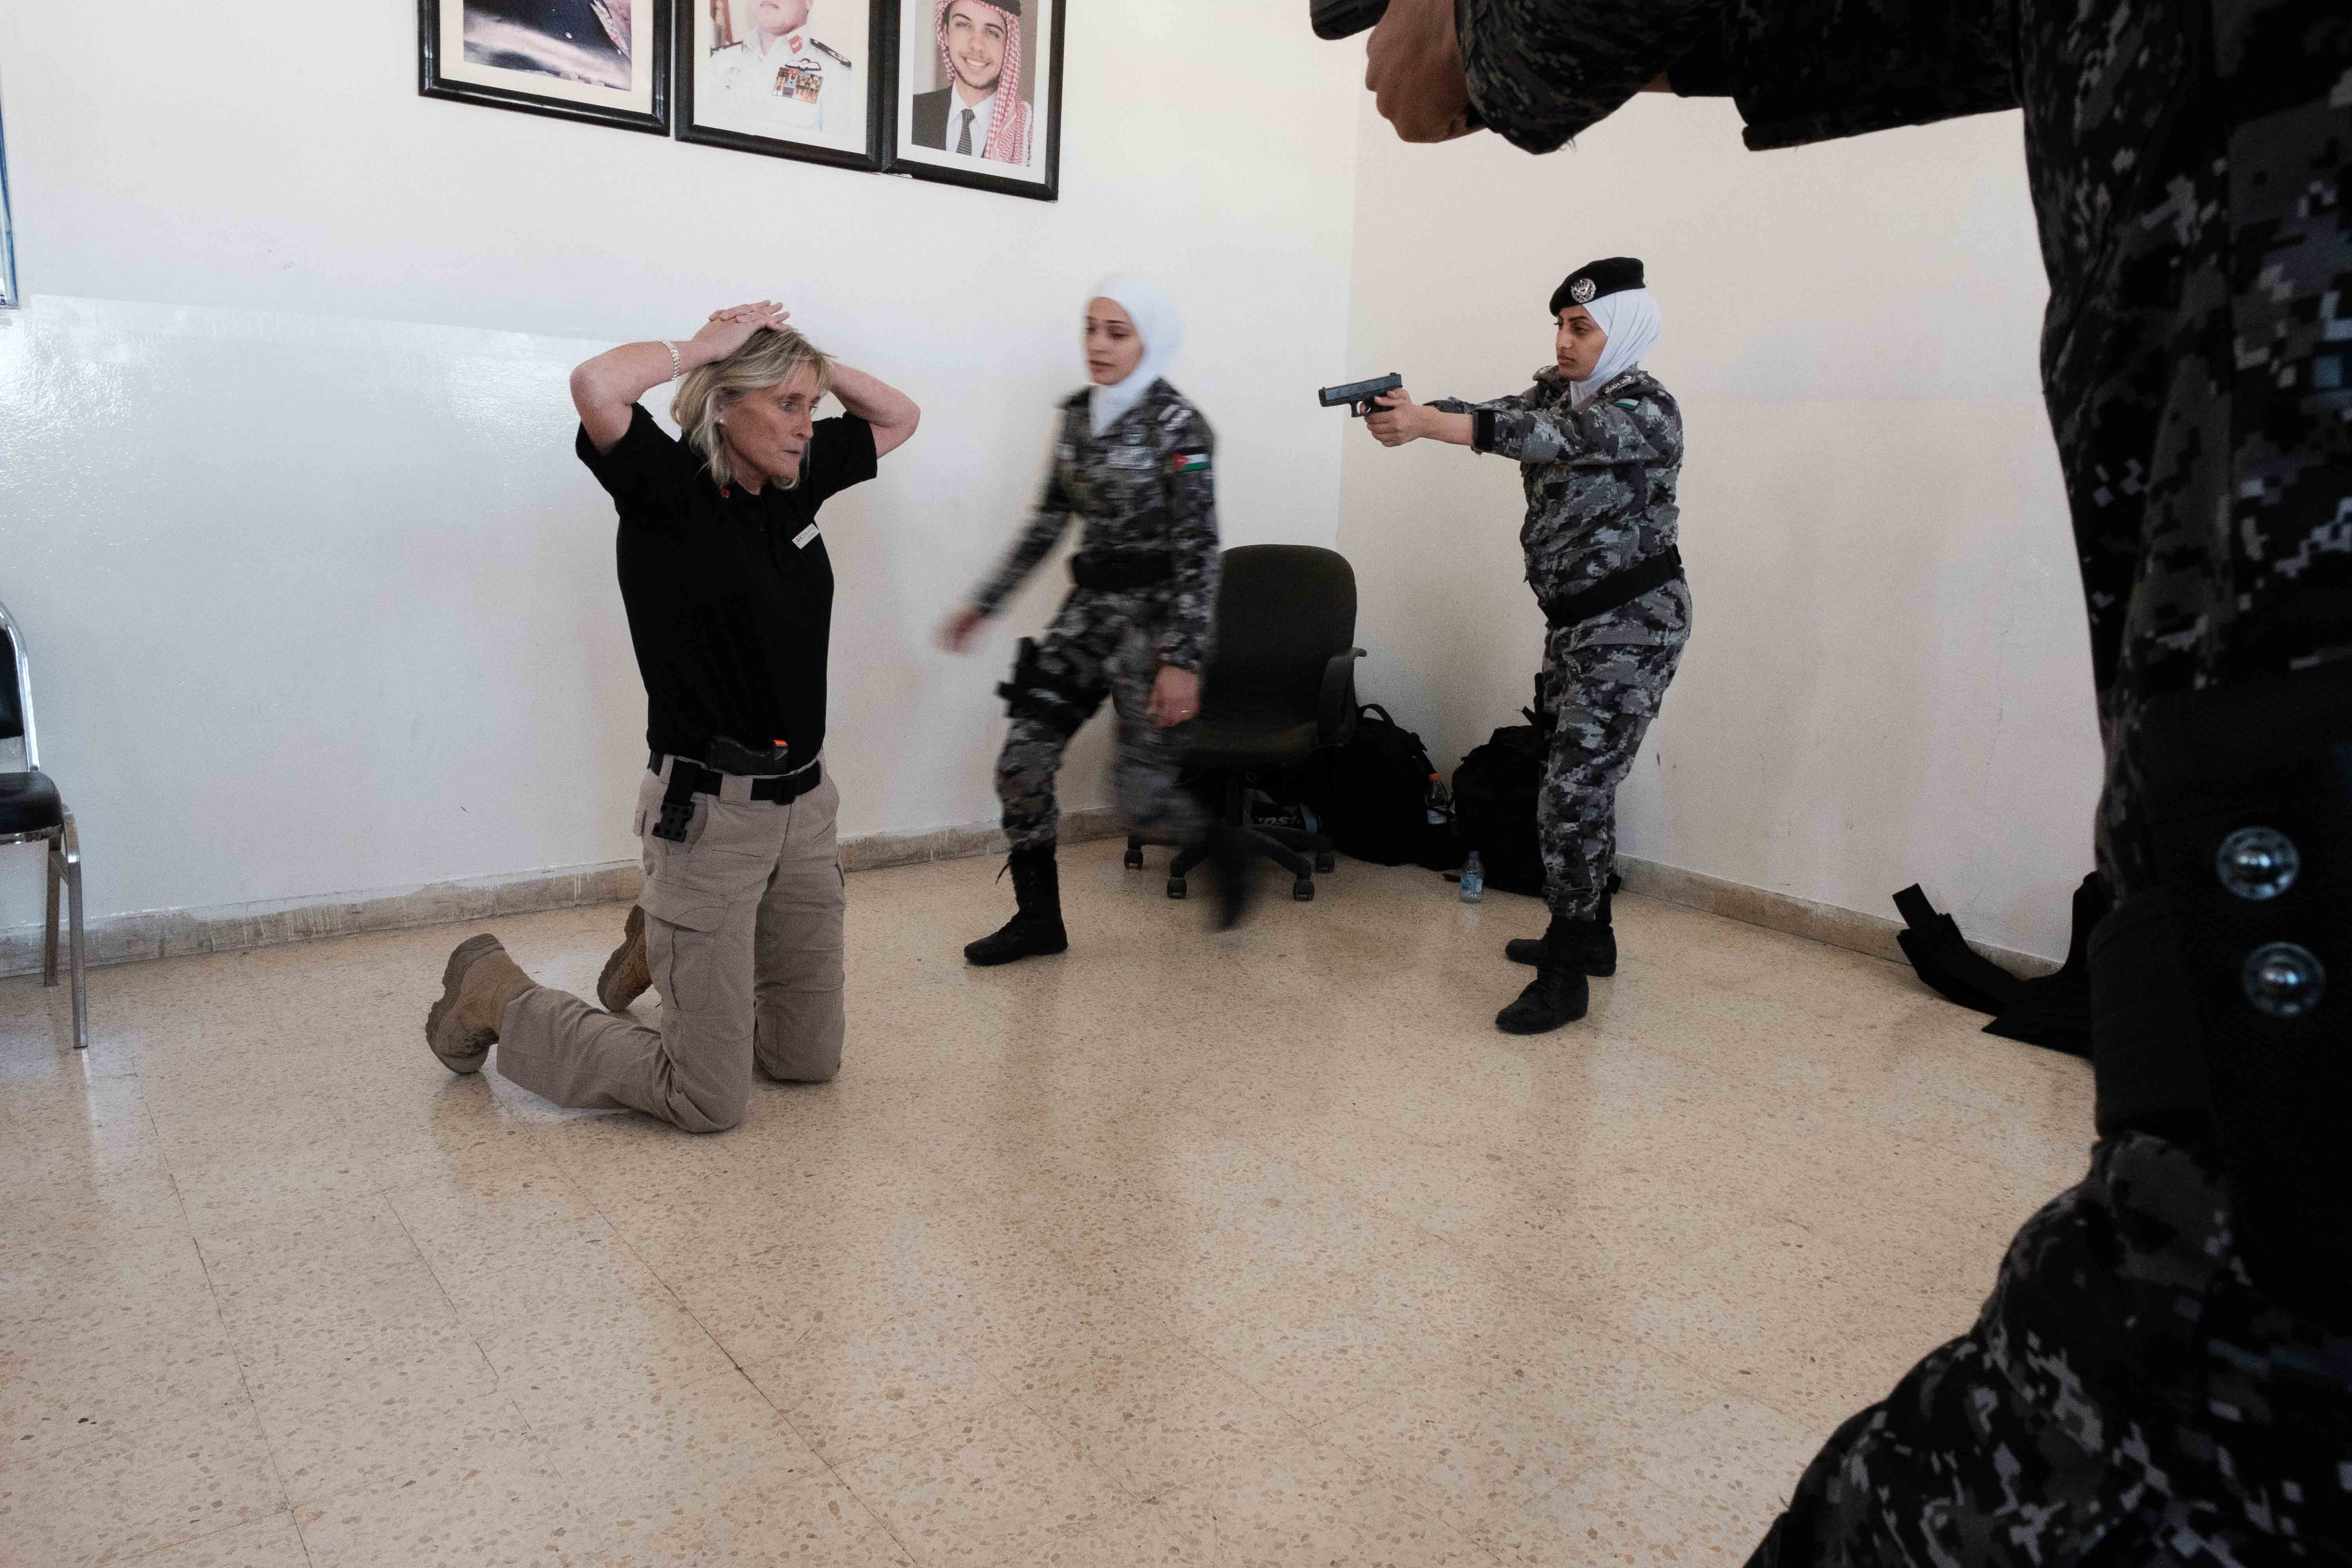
column 31, row 811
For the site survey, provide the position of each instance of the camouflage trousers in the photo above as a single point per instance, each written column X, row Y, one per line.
column 1102, row 644
column 2127, row 1399
column 1602, row 681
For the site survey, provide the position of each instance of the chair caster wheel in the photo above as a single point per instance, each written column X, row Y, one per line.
column 1175, row 887
column 1325, row 863
column 1134, row 859
column 1303, row 891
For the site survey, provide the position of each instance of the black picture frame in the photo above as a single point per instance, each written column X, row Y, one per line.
column 881, row 98
column 433, row 80
column 1046, row 189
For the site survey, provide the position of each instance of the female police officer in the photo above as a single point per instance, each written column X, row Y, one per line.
column 1134, row 461
column 1599, row 445
column 729, row 597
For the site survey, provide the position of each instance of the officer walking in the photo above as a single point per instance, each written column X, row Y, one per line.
column 1134, row 459
column 1600, row 448
column 783, row 81
column 2163, row 1374
column 729, row 597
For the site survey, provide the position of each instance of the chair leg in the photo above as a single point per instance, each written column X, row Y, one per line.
column 57, row 860
column 72, row 842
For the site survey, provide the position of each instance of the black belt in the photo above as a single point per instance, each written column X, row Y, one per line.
column 1611, row 592
column 1131, row 569
column 689, row 778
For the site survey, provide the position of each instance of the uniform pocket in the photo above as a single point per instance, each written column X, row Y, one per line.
column 681, row 942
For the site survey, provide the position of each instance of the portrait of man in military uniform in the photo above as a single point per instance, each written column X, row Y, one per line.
column 789, row 72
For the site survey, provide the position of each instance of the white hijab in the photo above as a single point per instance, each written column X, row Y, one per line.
column 1630, row 317
column 1162, row 331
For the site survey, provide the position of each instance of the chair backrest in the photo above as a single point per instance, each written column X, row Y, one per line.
column 1283, row 611
column 16, row 691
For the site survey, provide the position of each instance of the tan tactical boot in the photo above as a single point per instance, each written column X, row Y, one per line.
column 474, row 989
column 626, row 976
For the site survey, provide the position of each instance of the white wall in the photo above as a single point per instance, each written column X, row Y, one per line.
column 1888, row 678
column 322, row 601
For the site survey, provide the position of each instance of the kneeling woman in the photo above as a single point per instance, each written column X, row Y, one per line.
column 1600, row 448
column 729, row 598
column 1133, row 460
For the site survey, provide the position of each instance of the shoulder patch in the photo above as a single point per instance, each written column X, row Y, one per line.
column 1188, row 460
column 1627, row 402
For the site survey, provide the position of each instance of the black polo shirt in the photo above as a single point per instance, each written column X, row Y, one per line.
column 729, row 594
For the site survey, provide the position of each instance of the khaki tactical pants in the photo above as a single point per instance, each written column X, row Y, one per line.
column 743, row 925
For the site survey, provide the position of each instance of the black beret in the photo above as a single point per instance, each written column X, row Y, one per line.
column 1609, row 275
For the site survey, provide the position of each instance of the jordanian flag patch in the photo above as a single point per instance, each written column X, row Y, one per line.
column 1190, row 460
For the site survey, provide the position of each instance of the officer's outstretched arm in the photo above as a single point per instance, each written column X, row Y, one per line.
column 1602, row 432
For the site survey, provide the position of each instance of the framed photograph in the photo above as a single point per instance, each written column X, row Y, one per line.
column 978, row 99
column 606, row 60
column 8, row 296
column 792, row 78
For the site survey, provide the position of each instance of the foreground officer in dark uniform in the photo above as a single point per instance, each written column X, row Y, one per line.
column 730, row 596
column 1600, row 448
column 2163, row 1374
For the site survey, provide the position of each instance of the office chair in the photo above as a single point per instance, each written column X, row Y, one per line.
column 31, row 811
column 1280, row 687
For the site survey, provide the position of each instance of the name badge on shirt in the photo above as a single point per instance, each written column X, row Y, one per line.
column 801, row 540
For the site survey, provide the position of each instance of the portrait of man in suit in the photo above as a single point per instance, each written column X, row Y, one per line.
column 980, row 113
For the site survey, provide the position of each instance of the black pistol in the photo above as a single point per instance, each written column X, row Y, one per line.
column 1359, row 395
column 1345, row 19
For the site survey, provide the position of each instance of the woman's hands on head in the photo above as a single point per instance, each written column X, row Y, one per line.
column 731, row 328
column 955, row 632
column 1397, row 419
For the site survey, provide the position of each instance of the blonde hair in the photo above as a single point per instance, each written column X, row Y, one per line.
column 768, row 359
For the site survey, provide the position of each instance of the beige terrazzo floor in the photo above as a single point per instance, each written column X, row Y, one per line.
column 1261, row 1249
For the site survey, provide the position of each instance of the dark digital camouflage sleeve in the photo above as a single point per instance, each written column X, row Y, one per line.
column 1047, row 523
column 1541, row 71
column 1187, row 478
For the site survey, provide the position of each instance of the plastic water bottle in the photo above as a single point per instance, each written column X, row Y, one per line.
column 1473, row 880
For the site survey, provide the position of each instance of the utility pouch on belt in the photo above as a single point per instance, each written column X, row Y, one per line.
column 2224, row 996
column 1036, row 692
column 677, row 802
column 1617, row 589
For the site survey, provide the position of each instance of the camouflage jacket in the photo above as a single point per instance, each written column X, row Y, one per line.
column 1146, row 484
column 2177, row 151
column 1600, row 479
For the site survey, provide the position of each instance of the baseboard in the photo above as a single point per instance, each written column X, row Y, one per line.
column 1826, row 923
column 227, row 928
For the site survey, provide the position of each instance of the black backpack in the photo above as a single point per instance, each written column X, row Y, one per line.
column 1495, row 804
column 1372, row 794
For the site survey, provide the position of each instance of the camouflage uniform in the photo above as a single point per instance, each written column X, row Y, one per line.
column 2147, row 1384
column 1145, row 486
column 1600, row 497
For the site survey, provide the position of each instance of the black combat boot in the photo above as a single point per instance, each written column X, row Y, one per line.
column 1234, row 869
column 1599, row 954
column 1037, row 926
column 1559, row 993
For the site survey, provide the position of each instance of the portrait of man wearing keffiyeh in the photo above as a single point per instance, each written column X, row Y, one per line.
column 980, row 113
